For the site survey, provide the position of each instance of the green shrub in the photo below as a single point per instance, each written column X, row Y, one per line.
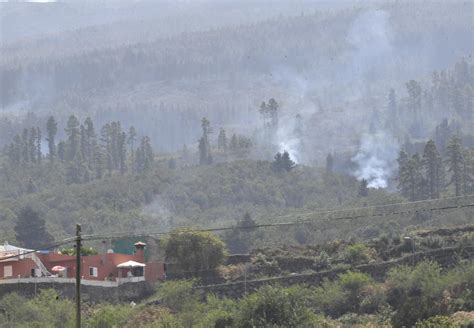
column 217, row 312
column 331, row 299
column 45, row 310
column 438, row 321
column 357, row 254
column 166, row 320
column 177, row 294
column 416, row 293
column 433, row 242
column 275, row 307
column 353, row 283
column 324, row 260
column 373, row 298
column 109, row 316
column 192, row 252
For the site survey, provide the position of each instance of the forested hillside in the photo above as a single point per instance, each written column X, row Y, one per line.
column 282, row 163
column 316, row 63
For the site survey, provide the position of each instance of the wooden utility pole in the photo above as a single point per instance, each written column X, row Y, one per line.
column 78, row 276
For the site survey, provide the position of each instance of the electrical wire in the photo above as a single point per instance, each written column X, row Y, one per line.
column 52, row 246
column 289, row 223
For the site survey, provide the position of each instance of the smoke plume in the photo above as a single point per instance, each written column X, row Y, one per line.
column 376, row 158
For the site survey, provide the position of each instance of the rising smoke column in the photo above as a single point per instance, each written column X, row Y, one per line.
column 370, row 37
column 297, row 107
column 376, row 158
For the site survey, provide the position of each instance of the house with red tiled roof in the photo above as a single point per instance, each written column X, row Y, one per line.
column 20, row 263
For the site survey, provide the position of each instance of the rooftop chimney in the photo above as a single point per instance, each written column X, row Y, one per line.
column 140, row 251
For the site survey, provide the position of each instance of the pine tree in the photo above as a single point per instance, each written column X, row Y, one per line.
column 363, row 188
column 115, row 136
column 240, row 240
column 105, row 138
column 410, row 176
column 282, row 162
column 32, row 145
column 98, row 162
column 62, row 150
column 416, row 178
column 205, row 156
column 132, row 137
column 73, row 138
column 433, row 170
column 222, row 141
column 51, row 130
column 83, row 142
column 122, row 152
column 414, row 98
column 75, row 170
column 277, row 163
column 25, row 146
column 90, row 137
column 138, row 166
column 402, row 173
column 456, row 164
column 273, row 112
column 15, row 150
column 468, row 172
column 392, row 121
column 287, row 163
column 144, row 156
column 39, row 154
column 30, row 229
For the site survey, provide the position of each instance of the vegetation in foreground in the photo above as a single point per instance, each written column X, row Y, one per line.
column 424, row 296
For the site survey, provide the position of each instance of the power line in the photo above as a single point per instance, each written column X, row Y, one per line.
column 52, row 246
column 289, row 223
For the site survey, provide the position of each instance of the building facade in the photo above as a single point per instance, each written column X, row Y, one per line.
column 16, row 262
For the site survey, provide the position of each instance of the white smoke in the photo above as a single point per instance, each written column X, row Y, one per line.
column 370, row 37
column 288, row 141
column 297, row 102
column 159, row 213
column 376, row 158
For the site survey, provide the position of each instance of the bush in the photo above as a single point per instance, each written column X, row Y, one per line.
column 109, row 316
column 331, row 299
column 177, row 294
column 433, row 242
column 415, row 293
column 324, row 261
column 438, row 321
column 357, row 254
column 45, row 310
column 275, row 307
column 217, row 313
column 192, row 252
column 353, row 283
column 373, row 298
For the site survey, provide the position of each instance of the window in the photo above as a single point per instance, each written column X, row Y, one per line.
column 93, row 272
column 7, row 271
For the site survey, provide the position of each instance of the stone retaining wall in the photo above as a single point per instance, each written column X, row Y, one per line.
column 445, row 257
column 91, row 294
